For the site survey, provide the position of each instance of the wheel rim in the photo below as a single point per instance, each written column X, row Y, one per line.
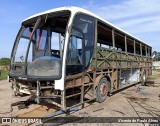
column 103, row 89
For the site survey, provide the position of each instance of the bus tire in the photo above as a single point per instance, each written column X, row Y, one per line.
column 102, row 90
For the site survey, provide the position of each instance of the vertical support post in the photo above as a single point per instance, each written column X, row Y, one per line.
column 38, row 92
column 94, row 81
column 131, row 72
column 95, row 43
column 60, row 44
column 125, row 40
column 134, row 47
column 15, row 88
column 146, row 50
column 141, row 48
column 113, row 39
column 149, row 52
column 82, row 91
column 63, row 99
column 119, row 79
column 49, row 39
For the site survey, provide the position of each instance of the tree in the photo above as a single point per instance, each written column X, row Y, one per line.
column 5, row 62
column 156, row 56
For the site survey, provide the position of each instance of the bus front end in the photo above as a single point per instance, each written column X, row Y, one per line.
column 37, row 55
column 51, row 55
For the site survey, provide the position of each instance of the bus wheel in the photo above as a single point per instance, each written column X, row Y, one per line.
column 143, row 78
column 102, row 90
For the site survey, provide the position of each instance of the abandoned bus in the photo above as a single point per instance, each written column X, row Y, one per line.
column 70, row 53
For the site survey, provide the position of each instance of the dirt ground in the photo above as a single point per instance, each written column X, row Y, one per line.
column 136, row 101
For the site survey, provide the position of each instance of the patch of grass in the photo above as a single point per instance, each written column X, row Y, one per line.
column 155, row 75
column 3, row 75
column 151, row 78
column 158, row 70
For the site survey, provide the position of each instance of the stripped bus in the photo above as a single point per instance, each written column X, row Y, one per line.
column 67, row 53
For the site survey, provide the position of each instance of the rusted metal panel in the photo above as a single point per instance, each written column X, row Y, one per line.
column 106, row 58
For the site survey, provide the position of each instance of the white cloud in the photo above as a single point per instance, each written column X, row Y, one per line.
column 137, row 17
column 139, row 25
column 138, row 20
column 125, row 9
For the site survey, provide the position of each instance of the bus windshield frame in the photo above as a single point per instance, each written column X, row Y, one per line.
column 39, row 37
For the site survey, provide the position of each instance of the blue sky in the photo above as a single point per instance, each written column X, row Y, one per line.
column 140, row 18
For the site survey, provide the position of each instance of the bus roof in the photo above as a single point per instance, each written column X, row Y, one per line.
column 78, row 9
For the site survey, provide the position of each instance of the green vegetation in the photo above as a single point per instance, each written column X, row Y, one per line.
column 157, row 56
column 150, row 78
column 155, row 75
column 4, row 65
column 4, row 74
column 5, row 62
column 156, row 59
